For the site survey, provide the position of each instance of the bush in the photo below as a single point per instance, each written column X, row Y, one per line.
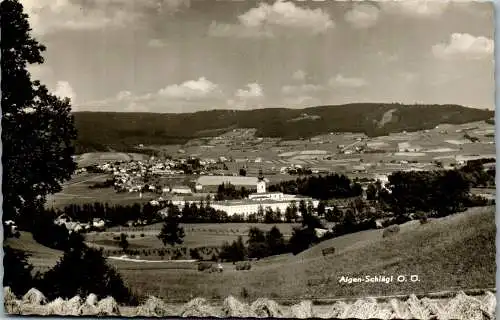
column 142, row 235
column 204, row 265
column 132, row 236
column 390, row 230
column 243, row 265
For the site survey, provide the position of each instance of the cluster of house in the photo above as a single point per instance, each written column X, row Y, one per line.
column 74, row 226
column 131, row 176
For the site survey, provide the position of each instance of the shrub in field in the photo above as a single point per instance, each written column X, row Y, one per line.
column 132, row 236
column 391, row 230
column 204, row 265
column 142, row 235
column 422, row 217
column 243, row 265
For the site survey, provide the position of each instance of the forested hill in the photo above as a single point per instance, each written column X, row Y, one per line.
column 101, row 131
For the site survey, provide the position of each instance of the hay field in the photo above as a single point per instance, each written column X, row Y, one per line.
column 456, row 251
column 77, row 191
column 453, row 252
column 197, row 235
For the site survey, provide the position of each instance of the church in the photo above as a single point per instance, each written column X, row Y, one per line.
column 262, row 198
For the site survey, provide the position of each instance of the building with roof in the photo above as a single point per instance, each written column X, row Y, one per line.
column 211, row 183
column 261, row 199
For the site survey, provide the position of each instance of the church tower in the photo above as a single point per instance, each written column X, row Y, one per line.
column 261, row 183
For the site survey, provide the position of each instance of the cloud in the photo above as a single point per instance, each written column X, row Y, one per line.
column 192, row 89
column 299, row 75
column 346, row 82
column 415, row 8
column 464, row 46
column 254, row 91
column 266, row 20
column 301, row 89
column 49, row 16
column 64, row 90
column 362, row 16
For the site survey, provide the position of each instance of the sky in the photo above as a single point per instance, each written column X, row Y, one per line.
column 173, row 56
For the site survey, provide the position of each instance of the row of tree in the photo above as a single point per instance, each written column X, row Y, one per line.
column 320, row 187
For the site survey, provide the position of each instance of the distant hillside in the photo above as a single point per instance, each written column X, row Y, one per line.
column 103, row 131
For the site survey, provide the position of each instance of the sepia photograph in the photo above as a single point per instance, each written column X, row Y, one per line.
column 248, row 159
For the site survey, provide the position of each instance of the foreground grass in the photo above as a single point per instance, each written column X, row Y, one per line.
column 454, row 252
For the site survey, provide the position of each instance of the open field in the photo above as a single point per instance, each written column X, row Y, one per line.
column 197, row 235
column 77, row 191
column 457, row 251
column 445, row 143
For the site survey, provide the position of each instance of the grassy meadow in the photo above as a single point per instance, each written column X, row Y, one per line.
column 457, row 251
column 196, row 235
column 453, row 252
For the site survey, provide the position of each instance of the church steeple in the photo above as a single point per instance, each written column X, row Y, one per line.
column 261, row 176
column 261, row 183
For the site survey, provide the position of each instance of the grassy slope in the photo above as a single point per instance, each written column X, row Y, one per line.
column 40, row 256
column 457, row 251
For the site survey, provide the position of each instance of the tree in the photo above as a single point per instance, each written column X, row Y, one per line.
column 243, row 172
column 260, row 213
column 256, row 235
column 81, row 271
column 123, row 241
column 275, row 241
column 303, row 207
column 37, row 127
column 171, row 232
column 17, row 271
column 321, row 208
column 371, row 192
column 301, row 239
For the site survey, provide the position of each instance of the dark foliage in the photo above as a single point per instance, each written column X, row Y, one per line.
column 320, row 187
column 17, row 271
column 437, row 192
column 229, row 192
column 171, row 233
column 302, row 239
column 234, row 252
column 36, row 144
column 81, row 271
